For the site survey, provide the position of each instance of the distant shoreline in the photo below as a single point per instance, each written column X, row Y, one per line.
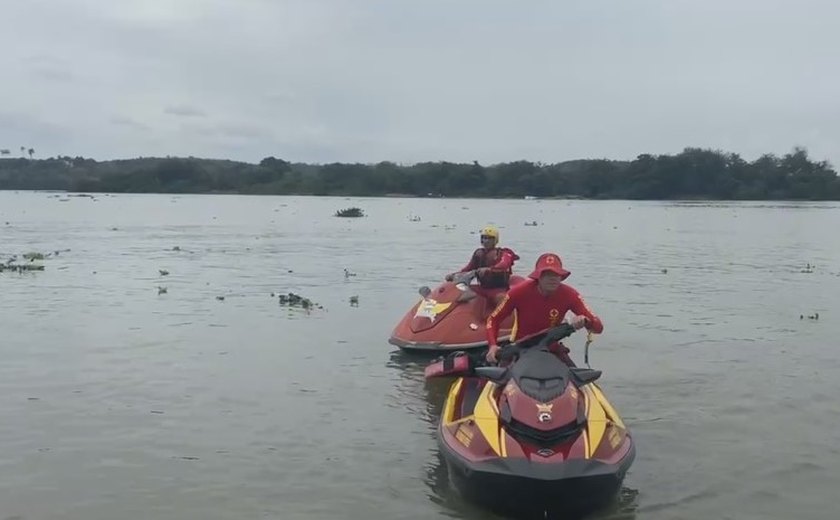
column 692, row 175
column 465, row 198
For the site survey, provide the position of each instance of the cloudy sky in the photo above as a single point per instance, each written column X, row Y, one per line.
column 459, row 80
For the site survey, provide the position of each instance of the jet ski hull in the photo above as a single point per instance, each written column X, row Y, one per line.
column 521, row 487
column 534, row 437
column 439, row 322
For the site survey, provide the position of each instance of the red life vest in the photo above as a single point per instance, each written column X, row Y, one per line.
column 488, row 258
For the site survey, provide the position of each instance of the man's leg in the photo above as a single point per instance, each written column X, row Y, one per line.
column 466, row 295
column 492, row 298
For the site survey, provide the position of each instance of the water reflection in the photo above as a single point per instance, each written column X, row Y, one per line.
column 410, row 367
column 623, row 508
column 432, row 393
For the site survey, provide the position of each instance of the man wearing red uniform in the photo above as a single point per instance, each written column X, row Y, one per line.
column 493, row 266
column 541, row 303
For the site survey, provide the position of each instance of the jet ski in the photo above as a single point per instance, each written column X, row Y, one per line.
column 449, row 318
column 533, row 437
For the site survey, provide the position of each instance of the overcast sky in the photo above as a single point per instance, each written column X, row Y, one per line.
column 407, row 81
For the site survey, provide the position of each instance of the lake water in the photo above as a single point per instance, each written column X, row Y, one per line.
column 120, row 402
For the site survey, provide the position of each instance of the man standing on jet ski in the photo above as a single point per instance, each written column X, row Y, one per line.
column 541, row 303
column 494, row 266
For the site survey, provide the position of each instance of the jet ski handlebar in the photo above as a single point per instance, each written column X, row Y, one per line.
column 464, row 278
column 562, row 331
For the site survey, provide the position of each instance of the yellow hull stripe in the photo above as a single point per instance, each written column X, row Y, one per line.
column 449, row 406
column 586, row 453
column 487, row 418
column 597, row 421
column 585, row 401
column 611, row 413
column 503, row 442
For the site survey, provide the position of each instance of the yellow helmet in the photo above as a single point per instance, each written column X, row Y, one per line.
column 490, row 231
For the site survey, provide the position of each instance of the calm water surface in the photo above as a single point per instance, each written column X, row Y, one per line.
column 119, row 402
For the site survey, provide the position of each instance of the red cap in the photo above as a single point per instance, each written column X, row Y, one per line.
column 549, row 262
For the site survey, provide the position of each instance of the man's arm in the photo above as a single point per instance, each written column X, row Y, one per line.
column 470, row 266
column 504, row 263
column 580, row 308
column 494, row 321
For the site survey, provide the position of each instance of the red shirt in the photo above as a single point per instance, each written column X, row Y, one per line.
column 499, row 259
column 535, row 312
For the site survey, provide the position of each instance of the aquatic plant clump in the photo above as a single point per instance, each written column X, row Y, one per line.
column 350, row 213
column 295, row 300
column 21, row 267
column 26, row 262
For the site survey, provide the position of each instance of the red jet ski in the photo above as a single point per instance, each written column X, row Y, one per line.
column 449, row 318
column 534, row 437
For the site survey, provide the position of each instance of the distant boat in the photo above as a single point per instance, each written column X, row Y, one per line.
column 530, row 197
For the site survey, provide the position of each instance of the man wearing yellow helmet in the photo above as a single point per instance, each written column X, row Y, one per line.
column 493, row 265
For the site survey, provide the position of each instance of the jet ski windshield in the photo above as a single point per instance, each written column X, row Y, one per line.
column 540, row 374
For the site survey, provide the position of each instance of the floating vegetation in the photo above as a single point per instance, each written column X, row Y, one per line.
column 27, row 261
column 295, row 300
column 350, row 213
column 21, row 267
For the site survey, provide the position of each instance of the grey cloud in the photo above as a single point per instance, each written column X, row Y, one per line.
column 184, row 111
column 127, row 122
column 478, row 79
column 244, row 130
column 281, row 98
column 226, row 131
column 43, row 60
column 27, row 126
column 53, row 74
column 199, row 130
column 47, row 67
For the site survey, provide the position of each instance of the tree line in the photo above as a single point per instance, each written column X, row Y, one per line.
column 692, row 174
